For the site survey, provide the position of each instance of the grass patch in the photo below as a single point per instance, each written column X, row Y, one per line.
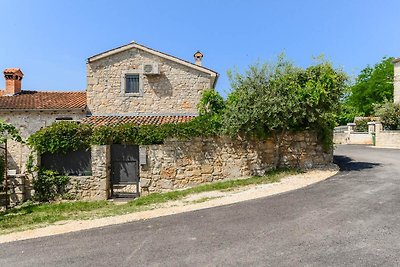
column 203, row 199
column 33, row 215
column 272, row 176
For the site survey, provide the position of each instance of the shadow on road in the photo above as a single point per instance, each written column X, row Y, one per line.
column 347, row 164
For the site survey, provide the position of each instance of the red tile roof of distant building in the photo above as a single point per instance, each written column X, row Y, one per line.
column 33, row 100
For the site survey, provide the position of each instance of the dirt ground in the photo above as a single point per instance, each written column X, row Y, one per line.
column 190, row 203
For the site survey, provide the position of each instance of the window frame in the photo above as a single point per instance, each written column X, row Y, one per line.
column 124, row 81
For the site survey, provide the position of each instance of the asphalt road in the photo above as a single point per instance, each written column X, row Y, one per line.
column 351, row 219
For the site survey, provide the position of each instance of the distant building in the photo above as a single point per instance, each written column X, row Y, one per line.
column 396, row 83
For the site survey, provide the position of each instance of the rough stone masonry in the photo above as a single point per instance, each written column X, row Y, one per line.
column 179, row 164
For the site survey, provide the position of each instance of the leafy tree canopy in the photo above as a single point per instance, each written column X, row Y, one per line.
column 373, row 86
column 274, row 98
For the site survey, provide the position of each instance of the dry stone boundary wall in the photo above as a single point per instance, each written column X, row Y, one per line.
column 180, row 164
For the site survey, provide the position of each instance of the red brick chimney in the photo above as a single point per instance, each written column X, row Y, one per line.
column 13, row 78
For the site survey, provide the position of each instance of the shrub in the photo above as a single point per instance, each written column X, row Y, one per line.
column 49, row 185
column 102, row 135
column 362, row 125
column 389, row 113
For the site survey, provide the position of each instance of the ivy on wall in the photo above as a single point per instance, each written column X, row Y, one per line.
column 71, row 136
column 61, row 137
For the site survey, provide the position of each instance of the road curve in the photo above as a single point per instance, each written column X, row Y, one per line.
column 351, row 219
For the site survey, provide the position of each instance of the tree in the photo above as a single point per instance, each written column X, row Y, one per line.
column 271, row 99
column 211, row 107
column 7, row 131
column 373, row 86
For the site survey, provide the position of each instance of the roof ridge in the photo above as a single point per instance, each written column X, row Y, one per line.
column 152, row 49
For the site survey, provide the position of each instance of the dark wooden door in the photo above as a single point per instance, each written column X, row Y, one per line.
column 124, row 166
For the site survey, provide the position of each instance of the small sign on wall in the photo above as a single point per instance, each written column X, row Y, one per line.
column 142, row 156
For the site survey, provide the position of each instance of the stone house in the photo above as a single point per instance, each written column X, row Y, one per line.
column 29, row 111
column 134, row 83
column 131, row 83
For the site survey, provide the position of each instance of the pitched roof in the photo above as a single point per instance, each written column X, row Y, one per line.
column 138, row 120
column 131, row 45
column 33, row 100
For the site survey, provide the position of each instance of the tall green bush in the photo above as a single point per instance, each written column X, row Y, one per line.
column 271, row 99
column 49, row 185
column 211, row 108
column 389, row 113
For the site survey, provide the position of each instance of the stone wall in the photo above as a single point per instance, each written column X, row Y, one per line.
column 353, row 138
column 179, row 164
column 177, row 89
column 388, row 139
column 96, row 186
column 19, row 188
column 383, row 138
column 29, row 122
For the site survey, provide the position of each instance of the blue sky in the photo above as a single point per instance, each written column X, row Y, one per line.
column 51, row 40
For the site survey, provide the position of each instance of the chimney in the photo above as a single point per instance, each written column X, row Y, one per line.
column 13, row 77
column 198, row 57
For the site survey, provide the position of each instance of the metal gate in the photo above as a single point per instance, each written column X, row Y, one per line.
column 124, row 170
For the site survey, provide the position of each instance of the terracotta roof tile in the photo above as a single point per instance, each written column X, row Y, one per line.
column 44, row 100
column 139, row 120
column 12, row 70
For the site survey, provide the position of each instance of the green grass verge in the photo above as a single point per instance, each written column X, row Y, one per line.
column 32, row 215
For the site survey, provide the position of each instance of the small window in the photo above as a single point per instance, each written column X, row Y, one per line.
column 64, row 119
column 132, row 83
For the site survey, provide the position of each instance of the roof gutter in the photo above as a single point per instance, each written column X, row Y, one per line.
column 214, row 79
